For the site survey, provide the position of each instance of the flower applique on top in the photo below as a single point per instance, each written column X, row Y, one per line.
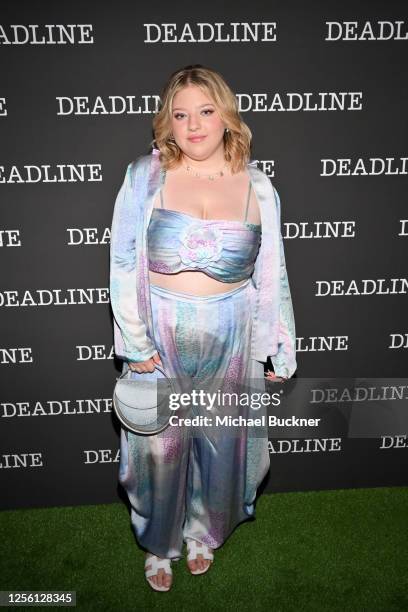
column 200, row 244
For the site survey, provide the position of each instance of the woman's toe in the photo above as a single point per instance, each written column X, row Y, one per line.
column 160, row 577
column 167, row 581
column 153, row 580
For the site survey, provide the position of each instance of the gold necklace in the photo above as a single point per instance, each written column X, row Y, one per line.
column 211, row 176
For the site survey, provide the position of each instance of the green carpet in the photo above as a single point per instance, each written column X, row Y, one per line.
column 331, row 550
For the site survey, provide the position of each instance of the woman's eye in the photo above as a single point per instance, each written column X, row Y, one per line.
column 206, row 111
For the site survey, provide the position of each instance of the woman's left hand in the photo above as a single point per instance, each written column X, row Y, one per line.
column 272, row 376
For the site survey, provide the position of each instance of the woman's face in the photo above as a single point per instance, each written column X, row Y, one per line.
column 196, row 124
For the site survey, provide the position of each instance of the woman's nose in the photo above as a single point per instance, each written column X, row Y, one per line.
column 193, row 123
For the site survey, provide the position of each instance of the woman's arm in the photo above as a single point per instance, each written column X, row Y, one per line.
column 284, row 362
column 131, row 341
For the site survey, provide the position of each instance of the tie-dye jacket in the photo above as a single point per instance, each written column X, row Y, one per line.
column 272, row 312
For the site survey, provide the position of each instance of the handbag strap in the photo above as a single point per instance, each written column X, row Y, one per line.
column 158, row 367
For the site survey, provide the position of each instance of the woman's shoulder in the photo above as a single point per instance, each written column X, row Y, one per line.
column 258, row 175
column 142, row 163
column 257, row 172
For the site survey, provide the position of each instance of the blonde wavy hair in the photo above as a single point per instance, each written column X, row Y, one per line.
column 237, row 141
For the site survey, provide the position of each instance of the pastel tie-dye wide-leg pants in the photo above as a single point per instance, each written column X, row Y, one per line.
column 187, row 482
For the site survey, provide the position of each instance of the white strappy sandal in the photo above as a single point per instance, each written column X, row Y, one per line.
column 193, row 551
column 156, row 564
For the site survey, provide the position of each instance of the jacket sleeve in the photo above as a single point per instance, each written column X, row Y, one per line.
column 131, row 341
column 284, row 361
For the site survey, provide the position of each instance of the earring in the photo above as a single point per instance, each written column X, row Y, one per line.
column 227, row 130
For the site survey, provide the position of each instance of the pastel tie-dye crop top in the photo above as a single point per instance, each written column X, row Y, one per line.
column 225, row 250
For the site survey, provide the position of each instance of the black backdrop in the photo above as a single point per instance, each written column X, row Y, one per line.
column 314, row 92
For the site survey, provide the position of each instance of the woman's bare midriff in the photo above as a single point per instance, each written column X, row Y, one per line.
column 193, row 282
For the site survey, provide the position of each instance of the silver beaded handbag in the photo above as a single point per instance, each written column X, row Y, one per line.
column 141, row 401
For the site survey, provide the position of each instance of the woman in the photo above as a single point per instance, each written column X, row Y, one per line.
column 198, row 285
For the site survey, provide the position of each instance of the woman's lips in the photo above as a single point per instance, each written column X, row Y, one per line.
column 196, row 138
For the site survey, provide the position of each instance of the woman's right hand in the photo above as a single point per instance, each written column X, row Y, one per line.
column 145, row 366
